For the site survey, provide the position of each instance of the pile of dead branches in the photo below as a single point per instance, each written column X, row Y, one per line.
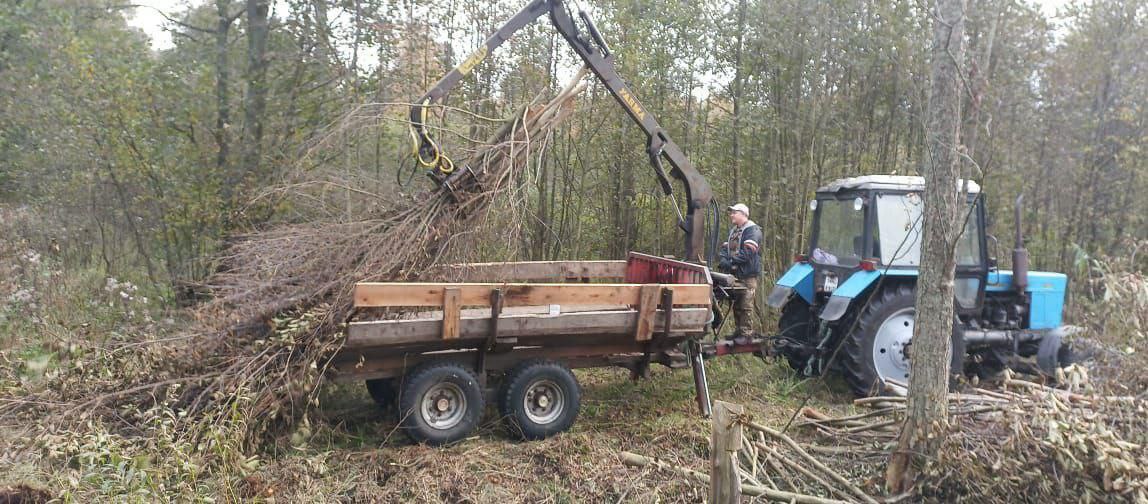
column 1025, row 441
column 1021, row 441
column 776, row 467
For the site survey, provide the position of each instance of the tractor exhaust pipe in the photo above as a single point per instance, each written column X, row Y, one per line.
column 1019, row 254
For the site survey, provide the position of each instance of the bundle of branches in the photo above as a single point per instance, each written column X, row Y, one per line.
column 1026, row 442
column 301, row 265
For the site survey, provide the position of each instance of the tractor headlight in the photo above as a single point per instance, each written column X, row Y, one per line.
column 858, row 203
column 813, row 204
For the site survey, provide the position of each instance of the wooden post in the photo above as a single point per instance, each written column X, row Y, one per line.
column 725, row 441
column 451, row 312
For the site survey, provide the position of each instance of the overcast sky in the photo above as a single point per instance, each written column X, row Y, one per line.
column 152, row 23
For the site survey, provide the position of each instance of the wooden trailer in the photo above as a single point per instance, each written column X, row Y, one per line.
column 511, row 333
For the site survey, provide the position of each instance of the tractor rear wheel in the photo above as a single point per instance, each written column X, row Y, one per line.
column 876, row 349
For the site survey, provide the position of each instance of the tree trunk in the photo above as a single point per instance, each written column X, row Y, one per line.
column 255, row 98
column 737, row 96
column 928, row 383
column 222, row 76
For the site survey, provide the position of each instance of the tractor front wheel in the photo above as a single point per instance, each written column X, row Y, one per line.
column 876, row 350
column 797, row 329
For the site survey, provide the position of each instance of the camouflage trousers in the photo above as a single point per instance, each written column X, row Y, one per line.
column 743, row 306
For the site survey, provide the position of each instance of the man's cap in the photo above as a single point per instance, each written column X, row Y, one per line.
column 740, row 207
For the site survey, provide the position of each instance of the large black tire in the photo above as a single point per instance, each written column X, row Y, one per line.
column 798, row 324
column 1054, row 353
column 897, row 305
column 440, row 403
column 382, row 390
column 539, row 399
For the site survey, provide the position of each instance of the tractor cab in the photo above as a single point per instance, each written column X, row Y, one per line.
column 870, row 223
column 854, row 289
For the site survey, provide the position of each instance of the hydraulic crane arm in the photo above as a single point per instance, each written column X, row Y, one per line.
column 597, row 56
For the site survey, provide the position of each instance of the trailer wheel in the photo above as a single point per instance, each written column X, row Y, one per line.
column 877, row 348
column 382, row 390
column 539, row 399
column 440, row 403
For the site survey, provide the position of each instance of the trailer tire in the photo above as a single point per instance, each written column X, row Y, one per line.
column 382, row 390
column 863, row 356
column 440, row 403
column 539, row 399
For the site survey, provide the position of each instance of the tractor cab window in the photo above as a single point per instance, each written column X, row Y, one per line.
column 899, row 228
column 969, row 245
column 899, row 223
column 840, row 233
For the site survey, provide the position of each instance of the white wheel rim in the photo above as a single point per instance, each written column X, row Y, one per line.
column 543, row 402
column 890, row 343
column 443, row 406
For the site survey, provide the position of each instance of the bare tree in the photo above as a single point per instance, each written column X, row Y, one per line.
column 932, row 350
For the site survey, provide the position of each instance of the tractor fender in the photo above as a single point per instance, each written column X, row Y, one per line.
column 857, row 284
column 799, row 279
column 843, row 296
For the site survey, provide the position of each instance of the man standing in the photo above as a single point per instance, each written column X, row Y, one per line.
column 741, row 256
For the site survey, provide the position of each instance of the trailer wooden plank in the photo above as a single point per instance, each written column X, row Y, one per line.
column 451, row 312
column 532, row 271
column 621, row 322
column 369, row 294
column 647, row 305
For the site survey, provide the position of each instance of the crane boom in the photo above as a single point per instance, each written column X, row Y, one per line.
column 597, row 56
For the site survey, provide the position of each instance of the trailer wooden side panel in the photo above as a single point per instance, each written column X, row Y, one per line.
column 369, row 294
column 622, row 323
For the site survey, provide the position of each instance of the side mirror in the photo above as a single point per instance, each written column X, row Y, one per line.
column 993, row 265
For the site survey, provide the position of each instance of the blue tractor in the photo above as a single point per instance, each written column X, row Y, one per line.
column 847, row 304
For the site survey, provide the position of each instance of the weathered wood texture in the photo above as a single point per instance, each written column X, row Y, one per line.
column 368, row 294
column 542, row 327
column 725, row 441
column 647, row 305
column 532, row 271
column 451, row 312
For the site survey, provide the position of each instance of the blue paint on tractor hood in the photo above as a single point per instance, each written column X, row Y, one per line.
column 1047, row 291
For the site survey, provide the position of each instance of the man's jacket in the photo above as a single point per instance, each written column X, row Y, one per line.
column 742, row 254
